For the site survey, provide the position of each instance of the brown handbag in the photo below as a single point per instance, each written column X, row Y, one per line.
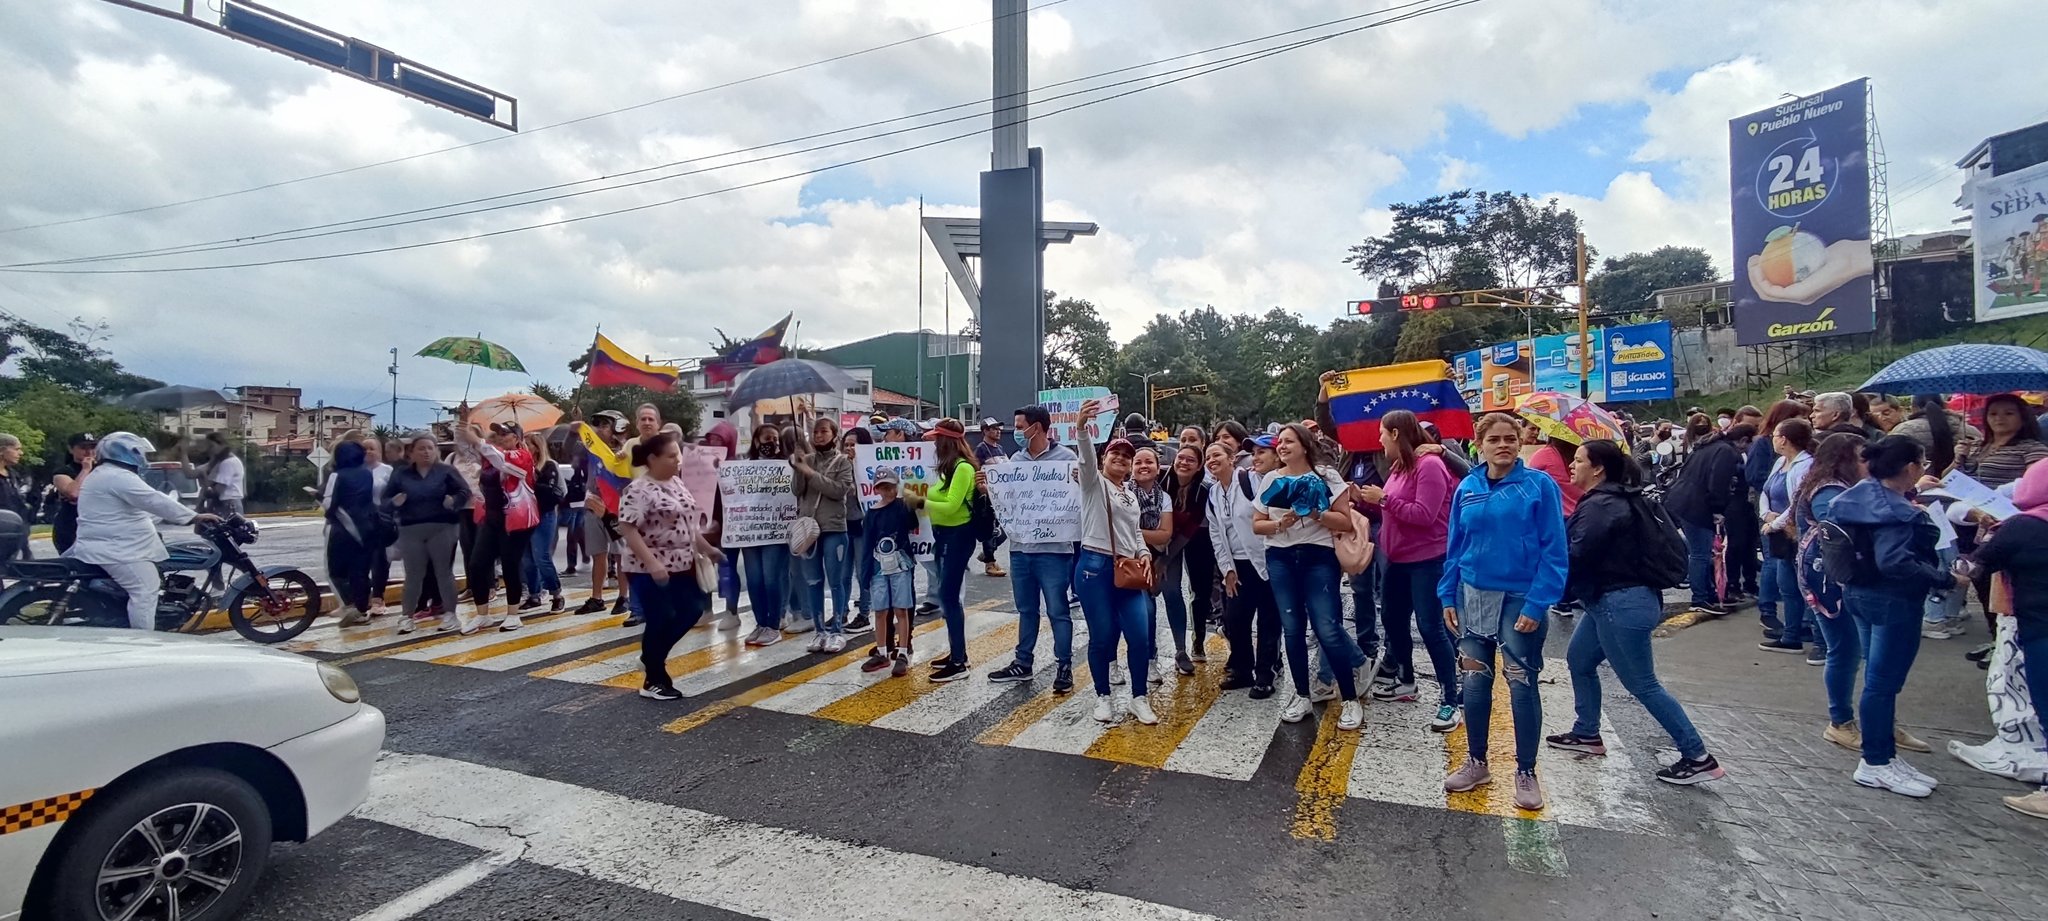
column 1133, row 572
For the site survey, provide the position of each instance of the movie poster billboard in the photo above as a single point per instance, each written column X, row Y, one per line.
column 1506, row 376
column 2009, row 221
column 1639, row 365
column 1800, row 190
column 1559, row 359
column 1468, row 370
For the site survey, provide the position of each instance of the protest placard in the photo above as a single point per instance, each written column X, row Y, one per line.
column 758, row 502
column 916, row 462
column 1064, row 405
column 1038, row 502
column 700, row 475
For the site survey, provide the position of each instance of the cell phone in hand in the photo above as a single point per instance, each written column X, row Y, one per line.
column 1967, row 568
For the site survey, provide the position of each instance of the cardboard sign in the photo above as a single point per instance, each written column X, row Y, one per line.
column 916, row 463
column 1038, row 502
column 1064, row 405
column 700, row 475
column 759, row 503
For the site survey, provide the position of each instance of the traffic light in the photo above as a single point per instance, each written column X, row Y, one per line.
column 1423, row 301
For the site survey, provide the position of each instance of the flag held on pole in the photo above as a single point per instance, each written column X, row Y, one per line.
column 606, row 471
column 610, row 366
column 1360, row 398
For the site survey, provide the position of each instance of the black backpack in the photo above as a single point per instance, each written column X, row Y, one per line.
column 1663, row 548
column 1846, row 554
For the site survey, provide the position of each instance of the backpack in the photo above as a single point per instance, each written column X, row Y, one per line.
column 1846, row 555
column 1664, row 555
column 1820, row 592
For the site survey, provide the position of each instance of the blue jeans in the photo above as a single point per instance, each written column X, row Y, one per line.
column 1893, row 623
column 1521, row 657
column 1844, row 637
column 1945, row 603
column 1616, row 629
column 1410, row 591
column 1305, row 579
column 2034, row 663
column 767, row 569
column 1782, row 577
column 829, row 562
column 1699, row 562
column 1113, row 613
column 954, row 547
column 540, row 558
column 1036, row 578
column 863, row 563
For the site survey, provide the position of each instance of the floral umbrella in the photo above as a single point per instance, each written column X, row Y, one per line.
column 1574, row 419
column 525, row 410
column 469, row 350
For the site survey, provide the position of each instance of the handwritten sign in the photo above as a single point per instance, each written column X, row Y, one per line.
column 916, row 463
column 758, row 502
column 1039, row 502
column 700, row 474
column 1064, row 405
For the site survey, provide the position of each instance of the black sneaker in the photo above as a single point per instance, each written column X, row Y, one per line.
column 928, row 608
column 1015, row 671
column 1816, row 656
column 1262, row 691
column 633, row 621
column 530, row 603
column 1573, row 742
column 1780, row 645
column 1687, row 772
column 652, row 692
column 556, row 605
column 1063, row 682
column 618, row 607
column 1182, row 664
column 860, row 622
column 1234, row 683
column 1772, row 625
column 594, row 605
column 940, row 662
column 951, row 672
column 877, row 660
column 1980, row 654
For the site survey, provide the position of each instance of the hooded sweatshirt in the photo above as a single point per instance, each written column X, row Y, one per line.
column 2019, row 550
column 1507, row 536
column 1901, row 539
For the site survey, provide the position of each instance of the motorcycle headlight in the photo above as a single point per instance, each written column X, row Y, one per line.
column 339, row 683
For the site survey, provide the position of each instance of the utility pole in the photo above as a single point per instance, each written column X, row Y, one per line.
column 919, row 409
column 394, row 390
column 1147, row 379
column 1585, row 307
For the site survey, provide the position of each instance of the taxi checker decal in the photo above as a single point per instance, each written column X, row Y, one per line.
column 41, row 812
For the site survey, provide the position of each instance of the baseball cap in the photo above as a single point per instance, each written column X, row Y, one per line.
column 991, row 422
column 1120, row 446
column 887, row 475
column 83, row 439
column 617, row 420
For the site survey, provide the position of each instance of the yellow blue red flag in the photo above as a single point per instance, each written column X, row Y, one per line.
column 611, row 366
column 1360, row 398
column 605, row 470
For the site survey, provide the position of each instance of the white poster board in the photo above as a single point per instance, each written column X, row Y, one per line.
column 916, row 463
column 2009, row 221
column 1064, row 405
column 1038, row 502
column 700, row 474
column 759, row 504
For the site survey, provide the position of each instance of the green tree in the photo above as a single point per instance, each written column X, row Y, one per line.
column 678, row 406
column 1628, row 284
column 31, row 437
column 71, row 359
column 1078, row 349
column 59, row 413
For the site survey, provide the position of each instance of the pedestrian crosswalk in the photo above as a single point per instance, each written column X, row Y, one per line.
column 1201, row 730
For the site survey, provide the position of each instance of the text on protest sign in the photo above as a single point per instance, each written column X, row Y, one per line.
column 1038, row 502
column 1064, row 405
column 916, row 463
column 758, row 502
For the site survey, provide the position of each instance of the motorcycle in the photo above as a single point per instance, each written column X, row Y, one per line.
column 266, row 604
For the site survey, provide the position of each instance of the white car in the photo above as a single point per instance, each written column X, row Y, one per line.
column 143, row 776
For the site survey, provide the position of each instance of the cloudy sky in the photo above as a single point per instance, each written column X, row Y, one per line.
column 1240, row 189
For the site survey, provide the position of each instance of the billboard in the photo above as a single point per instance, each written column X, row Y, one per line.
column 1639, row 362
column 1800, row 192
column 1468, row 370
column 1505, row 376
column 1558, row 360
column 2009, row 221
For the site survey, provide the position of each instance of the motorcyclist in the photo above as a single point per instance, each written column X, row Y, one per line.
column 117, row 515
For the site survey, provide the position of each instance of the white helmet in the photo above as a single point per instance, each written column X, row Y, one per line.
column 126, row 449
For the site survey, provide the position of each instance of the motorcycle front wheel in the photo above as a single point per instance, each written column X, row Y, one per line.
column 41, row 607
column 278, row 612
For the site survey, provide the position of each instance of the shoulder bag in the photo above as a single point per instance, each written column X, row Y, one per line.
column 1132, row 572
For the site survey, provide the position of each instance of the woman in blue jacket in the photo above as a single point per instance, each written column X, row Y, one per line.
column 1886, row 594
column 1504, row 567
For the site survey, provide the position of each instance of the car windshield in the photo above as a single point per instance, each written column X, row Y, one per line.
column 172, row 480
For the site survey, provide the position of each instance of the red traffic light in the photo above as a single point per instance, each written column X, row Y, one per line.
column 1361, row 308
column 1431, row 301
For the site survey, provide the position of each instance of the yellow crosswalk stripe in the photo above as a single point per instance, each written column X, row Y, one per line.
column 517, row 642
column 1320, row 787
column 752, row 696
column 882, row 698
column 1006, row 730
column 1178, row 710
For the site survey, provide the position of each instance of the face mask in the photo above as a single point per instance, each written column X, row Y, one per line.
column 1724, row 422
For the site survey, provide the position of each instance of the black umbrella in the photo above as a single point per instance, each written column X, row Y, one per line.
column 176, row 397
column 787, row 378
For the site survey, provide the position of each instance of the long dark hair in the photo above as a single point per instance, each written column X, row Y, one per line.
column 2030, row 427
column 1188, row 495
column 1237, row 431
column 1608, row 456
column 754, row 445
column 951, row 452
column 1889, row 456
column 1940, row 428
column 1307, row 440
column 652, row 446
column 1834, row 463
column 1797, row 432
column 1781, row 411
column 1404, row 424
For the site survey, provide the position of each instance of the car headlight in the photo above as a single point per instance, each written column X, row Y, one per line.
column 339, row 683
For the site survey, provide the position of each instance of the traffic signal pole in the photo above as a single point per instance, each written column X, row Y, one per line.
column 1585, row 307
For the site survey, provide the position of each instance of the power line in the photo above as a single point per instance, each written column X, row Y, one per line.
column 1441, row 6
column 342, row 227
column 531, row 131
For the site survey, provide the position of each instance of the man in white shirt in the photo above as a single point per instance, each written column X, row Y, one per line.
column 226, row 478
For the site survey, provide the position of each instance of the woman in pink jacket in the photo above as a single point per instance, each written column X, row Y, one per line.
column 1414, row 529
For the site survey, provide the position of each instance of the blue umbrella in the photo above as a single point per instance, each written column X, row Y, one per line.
column 788, row 378
column 1964, row 369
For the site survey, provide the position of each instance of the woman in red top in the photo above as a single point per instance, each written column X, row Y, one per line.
column 1555, row 459
column 505, row 518
column 1414, row 531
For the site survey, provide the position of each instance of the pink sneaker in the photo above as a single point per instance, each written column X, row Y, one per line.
column 1468, row 777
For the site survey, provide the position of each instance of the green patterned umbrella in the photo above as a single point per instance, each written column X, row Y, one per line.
column 469, row 350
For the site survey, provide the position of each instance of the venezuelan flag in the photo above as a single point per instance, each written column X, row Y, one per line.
column 610, row 366
column 1360, row 398
column 606, row 471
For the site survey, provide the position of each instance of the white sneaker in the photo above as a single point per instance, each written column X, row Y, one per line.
column 1105, row 709
column 450, row 621
column 1298, row 708
column 835, row 643
column 1158, row 672
column 1891, row 777
column 1142, row 709
column 1352, row 716
column 726, row 622
column 817, row 643
column 405, row 624
column 1116, row 674
column 510, row 623
column 1319, row 692
column 1917, row 773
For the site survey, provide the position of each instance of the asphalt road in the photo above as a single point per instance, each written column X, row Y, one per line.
column 526, row 780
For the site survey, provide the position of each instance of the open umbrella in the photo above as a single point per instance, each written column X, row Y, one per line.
column 1574, row 419
column 469, row 350
column 1965, row 368
column 525, row 410
column 174, row 398
column 787, row 378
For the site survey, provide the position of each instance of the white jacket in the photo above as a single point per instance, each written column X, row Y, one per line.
column 117, row 516
column 1230, row 525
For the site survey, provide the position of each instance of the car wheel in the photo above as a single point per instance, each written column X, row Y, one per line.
column 184, row 845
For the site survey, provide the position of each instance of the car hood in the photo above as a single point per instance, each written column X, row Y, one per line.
column 45, row 650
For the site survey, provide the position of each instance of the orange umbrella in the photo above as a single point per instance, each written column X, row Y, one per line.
column 527, row 411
